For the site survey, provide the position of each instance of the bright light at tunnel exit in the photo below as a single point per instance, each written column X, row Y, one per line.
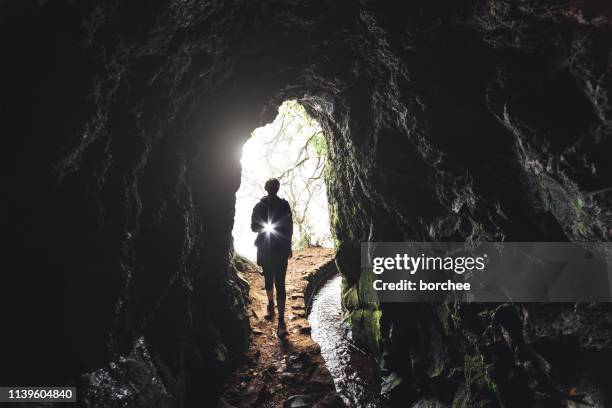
column 274, row 150
column 269, row 228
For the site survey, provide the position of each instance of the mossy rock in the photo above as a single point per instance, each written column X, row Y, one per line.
column 479, row 390
column 366, row 328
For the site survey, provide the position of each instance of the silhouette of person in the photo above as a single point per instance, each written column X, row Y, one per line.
column 273, row 223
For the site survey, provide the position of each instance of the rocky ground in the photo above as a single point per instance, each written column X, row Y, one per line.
column 283, row 373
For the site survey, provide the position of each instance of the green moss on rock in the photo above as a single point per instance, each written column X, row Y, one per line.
column 478, row 390
column 364, row 314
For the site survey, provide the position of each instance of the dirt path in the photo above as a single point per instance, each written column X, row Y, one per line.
column 289, row 373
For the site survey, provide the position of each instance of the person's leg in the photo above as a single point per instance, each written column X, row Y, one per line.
column 279, row 280
column 280, row 272
column 268, row 273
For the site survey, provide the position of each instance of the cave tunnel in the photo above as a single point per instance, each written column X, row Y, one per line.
column 444, row 121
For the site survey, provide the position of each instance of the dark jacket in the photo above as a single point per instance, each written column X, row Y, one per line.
column 276, row 211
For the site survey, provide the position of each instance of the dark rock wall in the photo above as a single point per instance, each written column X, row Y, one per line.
column 487, row 125
column 122, row 127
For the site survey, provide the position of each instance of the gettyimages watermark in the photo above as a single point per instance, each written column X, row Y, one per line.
column 489, row 271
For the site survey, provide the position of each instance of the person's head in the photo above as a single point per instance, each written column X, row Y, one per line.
column 272, row 186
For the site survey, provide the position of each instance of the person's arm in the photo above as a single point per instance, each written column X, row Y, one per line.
column 256, row 225
column 290, row 220
column 290, row 228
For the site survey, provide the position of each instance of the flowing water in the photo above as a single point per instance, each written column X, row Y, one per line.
column 353, row 372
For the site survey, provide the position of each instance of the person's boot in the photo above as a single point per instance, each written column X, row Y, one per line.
column 270, row 311
column 282, row 327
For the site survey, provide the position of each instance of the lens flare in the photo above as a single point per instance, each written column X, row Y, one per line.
column 268, row 228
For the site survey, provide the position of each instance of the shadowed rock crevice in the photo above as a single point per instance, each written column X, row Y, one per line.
column 465, row 121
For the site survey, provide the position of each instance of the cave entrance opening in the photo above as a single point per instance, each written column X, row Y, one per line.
column 292, row 149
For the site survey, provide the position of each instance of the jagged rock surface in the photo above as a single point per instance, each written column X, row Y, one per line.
column 470, row 120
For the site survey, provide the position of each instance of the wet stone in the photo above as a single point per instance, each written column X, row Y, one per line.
column 321, row 376
column 298, row 401
column 288, row 377
column 298, row 361
column 296, row 364
column 330, row 401
column 253, row 393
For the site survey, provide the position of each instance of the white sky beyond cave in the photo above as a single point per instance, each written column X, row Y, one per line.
column 292, row 149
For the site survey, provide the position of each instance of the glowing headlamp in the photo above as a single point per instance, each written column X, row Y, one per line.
column 269, row 228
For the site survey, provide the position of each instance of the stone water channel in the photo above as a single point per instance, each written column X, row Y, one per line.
column 355, row 375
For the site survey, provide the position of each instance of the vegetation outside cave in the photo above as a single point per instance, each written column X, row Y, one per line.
column 293, row 149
